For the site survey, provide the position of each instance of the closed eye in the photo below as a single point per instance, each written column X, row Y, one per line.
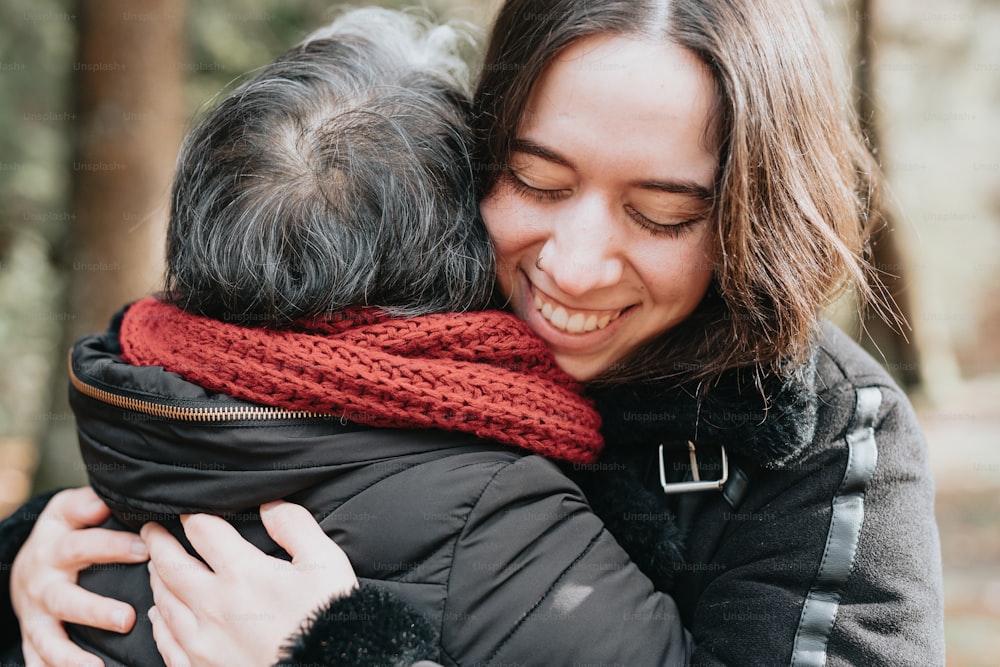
column 671, row 229
column 538, row 194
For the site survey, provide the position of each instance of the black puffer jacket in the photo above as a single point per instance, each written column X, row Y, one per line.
column 494, row 551
column 821, row 548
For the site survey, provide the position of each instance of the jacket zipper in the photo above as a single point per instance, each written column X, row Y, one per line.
column 195, row 414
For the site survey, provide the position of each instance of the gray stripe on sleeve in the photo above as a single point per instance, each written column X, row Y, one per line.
column 820, row 609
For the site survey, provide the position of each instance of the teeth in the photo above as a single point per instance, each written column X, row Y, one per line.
column 576, row 323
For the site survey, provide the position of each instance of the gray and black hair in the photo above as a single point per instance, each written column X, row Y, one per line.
column 337, row 176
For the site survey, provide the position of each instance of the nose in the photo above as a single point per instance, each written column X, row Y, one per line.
column 582, row 253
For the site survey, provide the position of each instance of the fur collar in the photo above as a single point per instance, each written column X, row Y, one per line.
column 768, row 423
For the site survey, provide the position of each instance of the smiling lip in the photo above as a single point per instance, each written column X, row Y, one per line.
column 559, row 339
column 570, row 320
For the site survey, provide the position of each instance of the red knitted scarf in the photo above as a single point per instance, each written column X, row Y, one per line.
column 480, row 372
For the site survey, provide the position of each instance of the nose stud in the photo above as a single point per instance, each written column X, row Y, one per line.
column 538, row 263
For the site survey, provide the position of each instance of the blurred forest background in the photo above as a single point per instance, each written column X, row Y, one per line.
column 96, row 95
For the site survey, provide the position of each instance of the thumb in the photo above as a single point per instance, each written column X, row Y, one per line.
column 81, row 508
column 296, row 531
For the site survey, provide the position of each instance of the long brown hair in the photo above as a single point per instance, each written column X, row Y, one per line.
column 797, row 191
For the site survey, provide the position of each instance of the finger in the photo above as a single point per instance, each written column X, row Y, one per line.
column 174, row 612
column 217, row 541
column 180, row 572
column 83, row 548
column 46, row 643
column 171, row 652
column 70, row 603
column 295, row 530
column 80, row 508
column 31, row 657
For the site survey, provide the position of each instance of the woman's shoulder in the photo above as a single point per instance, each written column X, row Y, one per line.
column 841, row 360
column 864, row 424
column 862, row 489
column 856, row 392
column 459, row 482
column 854, row 397
column 492, row 473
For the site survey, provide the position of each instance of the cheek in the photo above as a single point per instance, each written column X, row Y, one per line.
column 502, row 230
column 505, row 221
column 697, row 271
column 696, row 267
column 495, row 217
column 681, row 278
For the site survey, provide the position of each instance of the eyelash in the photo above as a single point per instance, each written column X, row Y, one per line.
column 673, row 231
column 655, row 229
column 537, row 194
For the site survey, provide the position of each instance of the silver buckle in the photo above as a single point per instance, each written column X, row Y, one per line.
column 697, row 484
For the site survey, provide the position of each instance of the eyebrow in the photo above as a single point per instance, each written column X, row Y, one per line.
column 531, row 148
column 677, row 187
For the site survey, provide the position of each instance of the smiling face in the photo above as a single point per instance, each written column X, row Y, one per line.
column 610, row 184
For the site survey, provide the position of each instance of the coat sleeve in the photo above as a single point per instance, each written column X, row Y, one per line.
column 14, row 531
column 536, row 579
column 368, row 628
column 835, row 561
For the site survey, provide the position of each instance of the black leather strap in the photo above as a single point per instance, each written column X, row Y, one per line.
column 736, row 487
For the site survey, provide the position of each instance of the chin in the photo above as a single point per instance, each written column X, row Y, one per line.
column 580, row 371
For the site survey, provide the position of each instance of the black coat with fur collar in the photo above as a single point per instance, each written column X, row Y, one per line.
column 821, row 548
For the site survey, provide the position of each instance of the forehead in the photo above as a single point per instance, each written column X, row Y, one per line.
column 618, row 100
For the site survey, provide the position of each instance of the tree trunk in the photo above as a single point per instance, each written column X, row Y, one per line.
column 130, row 117
column 898, row 349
